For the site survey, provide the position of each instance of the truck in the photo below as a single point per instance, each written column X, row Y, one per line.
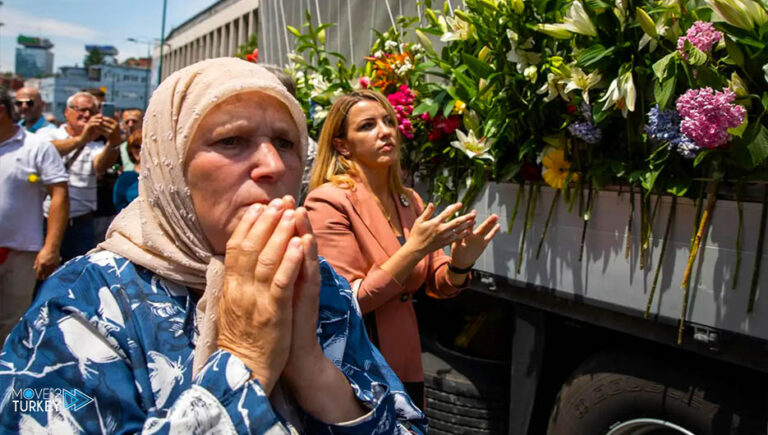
column 558, row 332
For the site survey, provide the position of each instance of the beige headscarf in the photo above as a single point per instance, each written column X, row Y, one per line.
column 160, row 230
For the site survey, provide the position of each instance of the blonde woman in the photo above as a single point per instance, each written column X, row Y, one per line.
column 378, row 234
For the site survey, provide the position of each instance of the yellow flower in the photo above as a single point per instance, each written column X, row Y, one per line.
column 33, row 178
column 556, row 169
column 459, row 107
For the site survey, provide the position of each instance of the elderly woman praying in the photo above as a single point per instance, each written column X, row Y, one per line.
column 207, row 308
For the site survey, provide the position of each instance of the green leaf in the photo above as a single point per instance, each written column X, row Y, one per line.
column 648, row 180
column 678, row 186
column 479, row 68
column 466, row 83
column 661, row 66
column 764, row 100
column 753, row 153
column 509, row 171
column 597, row 5
column 707, row 76
column 695, row 56
column 739, row 131
column 427, row 105
column 702, row 156
column 293, row 30
column 592, row 55
column 662, row 91
column 448, row 108
column 734, row 51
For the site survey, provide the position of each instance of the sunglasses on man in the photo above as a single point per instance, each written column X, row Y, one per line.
column 28, row 103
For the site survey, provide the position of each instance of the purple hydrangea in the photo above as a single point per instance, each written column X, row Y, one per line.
column 586, row 131
column 707, row 115
column 701, row 35
column 664, row 126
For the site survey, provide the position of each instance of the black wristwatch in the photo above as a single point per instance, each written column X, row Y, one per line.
column 455, row 269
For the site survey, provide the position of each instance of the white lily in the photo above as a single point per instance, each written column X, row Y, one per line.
column 580, row 80
column 318, row 85
column 620, row 10
column 745, row 14
column 473, row 147
column 531, row 73
column 661, row 30
column 765, row 71
column 737, row 85
column 553, row 88
column 519, row 55
column 577, row 20
column 557, row 31
column 621, row 93
column 460, row 30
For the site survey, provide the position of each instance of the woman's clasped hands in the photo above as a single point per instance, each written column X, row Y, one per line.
column 269, row 304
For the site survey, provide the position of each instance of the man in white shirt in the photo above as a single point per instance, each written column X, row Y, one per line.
column 84, row 159
column 30, row 168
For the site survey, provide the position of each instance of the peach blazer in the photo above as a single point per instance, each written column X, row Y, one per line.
column 355, row 237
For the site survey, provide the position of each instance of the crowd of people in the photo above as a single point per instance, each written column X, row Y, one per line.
column 220, row 298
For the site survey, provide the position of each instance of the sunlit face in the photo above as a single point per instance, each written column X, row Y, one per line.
column 131, row 121
column 371, row 138
column 245, row 150
column 83, row 107
column 29, row 104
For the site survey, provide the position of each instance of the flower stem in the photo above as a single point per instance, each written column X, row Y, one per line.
column 649, row 229
column 516, row 207
column 699, row 203
column 758, row 253
column 546, row 224
column 643, row 226
column 629, row 221
column 587, row 216
column 740, row 210
column 525, row 228
column 670, row 219
column 686, row 284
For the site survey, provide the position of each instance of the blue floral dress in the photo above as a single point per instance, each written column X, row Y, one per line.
column 107, row 348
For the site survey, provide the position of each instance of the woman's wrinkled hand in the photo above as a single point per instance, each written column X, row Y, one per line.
column 467, row 249
column 432, row 233
column 262, row 263
column 305, row 348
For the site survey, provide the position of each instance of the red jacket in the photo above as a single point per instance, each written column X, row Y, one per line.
column 355, row 237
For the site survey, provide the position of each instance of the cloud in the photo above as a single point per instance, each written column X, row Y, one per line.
column 21, row 22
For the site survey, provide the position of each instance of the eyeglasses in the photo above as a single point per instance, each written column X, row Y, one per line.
column 28, row 103
column 90, row 110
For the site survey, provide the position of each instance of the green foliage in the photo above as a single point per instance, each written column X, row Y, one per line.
column 93, row 58
column 247, row 48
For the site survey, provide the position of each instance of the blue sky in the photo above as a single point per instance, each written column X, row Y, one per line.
column 70, row 24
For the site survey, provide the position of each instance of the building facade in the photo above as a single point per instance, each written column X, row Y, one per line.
column 34, row 58
column 125, row 86
column 217, row 31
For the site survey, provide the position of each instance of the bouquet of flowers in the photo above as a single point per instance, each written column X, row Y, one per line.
column 660, row 97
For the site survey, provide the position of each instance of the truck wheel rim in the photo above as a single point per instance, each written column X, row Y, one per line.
column 646, row 426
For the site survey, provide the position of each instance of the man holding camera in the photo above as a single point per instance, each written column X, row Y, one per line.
column 84, row 158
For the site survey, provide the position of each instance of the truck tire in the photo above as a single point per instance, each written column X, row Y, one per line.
column 616, row 393
column 464, row 395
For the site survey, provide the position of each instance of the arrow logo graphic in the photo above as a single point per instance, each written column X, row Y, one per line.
column 75, row 399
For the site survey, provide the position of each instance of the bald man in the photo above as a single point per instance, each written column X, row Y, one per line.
column 30, row 106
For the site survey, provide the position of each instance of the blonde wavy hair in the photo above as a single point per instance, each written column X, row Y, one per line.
column 330, row 165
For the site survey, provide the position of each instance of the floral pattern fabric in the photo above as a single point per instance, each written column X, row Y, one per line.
column 107, row 348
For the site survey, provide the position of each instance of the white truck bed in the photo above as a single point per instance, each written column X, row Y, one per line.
column 606, row 278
